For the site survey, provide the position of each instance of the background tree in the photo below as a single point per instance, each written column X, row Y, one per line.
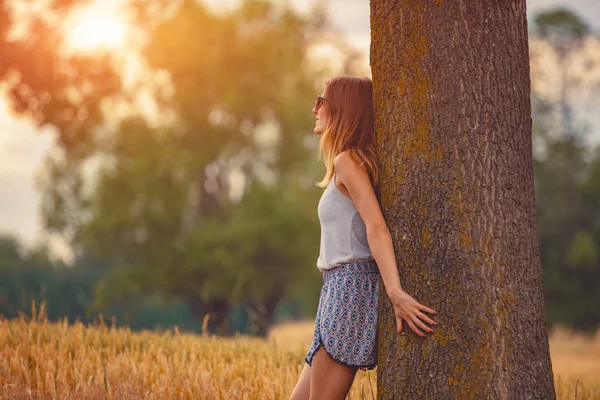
column 51, row 86
column 162, row 212
column 233, row 93
column 457, row 192
column 564, row 164
column 566, row 34
column 30, row 277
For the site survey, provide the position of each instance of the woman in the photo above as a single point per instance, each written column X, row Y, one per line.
column 356, row 248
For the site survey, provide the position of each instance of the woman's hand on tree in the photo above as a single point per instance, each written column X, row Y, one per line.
column 408, row 309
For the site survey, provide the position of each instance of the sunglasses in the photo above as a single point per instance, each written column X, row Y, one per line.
column 319, row 102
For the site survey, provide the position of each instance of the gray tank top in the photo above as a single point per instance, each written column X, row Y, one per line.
column 343, row 232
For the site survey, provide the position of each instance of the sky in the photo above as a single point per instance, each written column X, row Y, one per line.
column 22, row 146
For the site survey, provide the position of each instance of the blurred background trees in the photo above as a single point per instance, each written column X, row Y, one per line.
column 183, row 177
column 194, row 180
column 566, row 165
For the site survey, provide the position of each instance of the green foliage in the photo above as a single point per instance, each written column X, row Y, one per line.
column 561, row 23
column 566, row 182
column 582, row 252
column 160, row 211
column 32, row 276
column 68, row 292
column 569, row 233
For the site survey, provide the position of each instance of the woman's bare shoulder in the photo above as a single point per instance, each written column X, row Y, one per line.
column 348, row 157
column 348, row 165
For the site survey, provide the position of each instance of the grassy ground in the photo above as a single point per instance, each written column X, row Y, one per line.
column 41, row 360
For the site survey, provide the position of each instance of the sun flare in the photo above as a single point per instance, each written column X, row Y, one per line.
column 96, row 26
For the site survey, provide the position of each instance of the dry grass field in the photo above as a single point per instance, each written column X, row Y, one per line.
column 42, row 360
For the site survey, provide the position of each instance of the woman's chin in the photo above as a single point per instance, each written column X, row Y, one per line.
column 317, row 131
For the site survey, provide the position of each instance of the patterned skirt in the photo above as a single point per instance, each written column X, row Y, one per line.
column 346, row 322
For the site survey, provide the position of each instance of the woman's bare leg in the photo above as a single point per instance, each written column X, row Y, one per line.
column 329, row 380
column 302, row 389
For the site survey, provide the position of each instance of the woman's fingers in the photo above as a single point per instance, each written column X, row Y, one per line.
column 421, row 325
column 426, row 318
column 410, row 310
column 425, row 308
column 414, row 328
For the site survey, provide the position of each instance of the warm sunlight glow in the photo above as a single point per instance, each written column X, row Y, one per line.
column 96, row 26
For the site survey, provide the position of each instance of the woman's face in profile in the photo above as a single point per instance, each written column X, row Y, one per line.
column 320, row 112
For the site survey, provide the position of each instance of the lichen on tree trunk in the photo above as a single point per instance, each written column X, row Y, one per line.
column 453, row 127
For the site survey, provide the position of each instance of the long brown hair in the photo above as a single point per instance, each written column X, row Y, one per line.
column 349, row 106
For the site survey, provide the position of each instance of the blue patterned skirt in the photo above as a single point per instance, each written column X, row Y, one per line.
column 346, row 322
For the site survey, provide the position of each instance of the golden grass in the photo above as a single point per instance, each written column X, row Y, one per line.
column 42, row 360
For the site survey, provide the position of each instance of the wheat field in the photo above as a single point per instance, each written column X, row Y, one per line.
column 43, row 360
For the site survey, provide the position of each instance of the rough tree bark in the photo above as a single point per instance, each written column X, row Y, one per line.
column 453, row 126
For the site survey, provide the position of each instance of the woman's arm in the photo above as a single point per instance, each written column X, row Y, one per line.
column 382, row 247
column 358, row 184
column 357, row 181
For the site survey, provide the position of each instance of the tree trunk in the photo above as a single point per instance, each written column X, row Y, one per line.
column 453, row 127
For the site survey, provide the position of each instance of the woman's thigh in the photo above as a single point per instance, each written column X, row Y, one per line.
column 329, row 380
column 302, row 389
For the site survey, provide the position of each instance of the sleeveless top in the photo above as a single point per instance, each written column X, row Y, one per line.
column 343, row 232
